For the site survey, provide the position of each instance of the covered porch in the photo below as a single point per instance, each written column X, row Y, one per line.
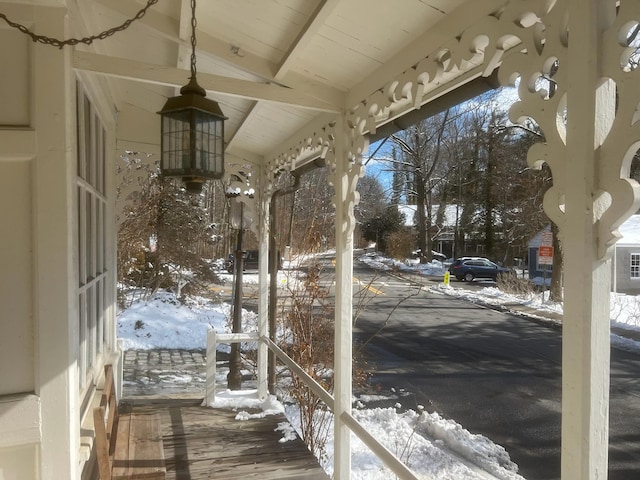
column 202, row 443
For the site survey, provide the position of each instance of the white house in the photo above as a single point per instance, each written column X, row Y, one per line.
column 298, row 80
column 625, row 266
column 626, row 258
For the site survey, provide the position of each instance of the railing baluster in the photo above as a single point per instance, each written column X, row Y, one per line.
column 388, row 458
column 210, row 390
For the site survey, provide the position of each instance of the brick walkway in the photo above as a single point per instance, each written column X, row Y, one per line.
column 164, row 372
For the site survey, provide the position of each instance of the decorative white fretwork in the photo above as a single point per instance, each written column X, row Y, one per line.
column 343, row 160
column 346, row 168
column 528, row 41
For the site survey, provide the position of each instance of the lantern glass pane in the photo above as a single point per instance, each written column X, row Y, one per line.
column 208, row 155
column 175, row 141
column 218, row 149
column 202, row 147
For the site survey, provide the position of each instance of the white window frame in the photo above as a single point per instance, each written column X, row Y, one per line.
column 92, row 229
column 634, row 266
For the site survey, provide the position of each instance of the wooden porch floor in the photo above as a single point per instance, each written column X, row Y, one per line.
column 206, row 443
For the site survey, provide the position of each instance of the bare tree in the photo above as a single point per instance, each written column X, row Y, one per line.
column 163, row 230
column 420, row 149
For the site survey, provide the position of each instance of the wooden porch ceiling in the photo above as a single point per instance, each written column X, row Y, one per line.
column 272, row 65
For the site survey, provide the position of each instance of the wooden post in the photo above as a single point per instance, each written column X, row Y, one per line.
column 585, row 336
column 210, row 385
column 343, row 313
column 348, row 170
column 263, row 289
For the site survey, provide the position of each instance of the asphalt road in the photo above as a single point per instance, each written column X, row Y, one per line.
column 494, row 373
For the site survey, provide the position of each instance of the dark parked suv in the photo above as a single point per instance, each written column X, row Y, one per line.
column 250, row 261
column 468, row 268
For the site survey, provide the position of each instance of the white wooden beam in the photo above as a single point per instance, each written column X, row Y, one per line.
column 306, row 34
column 314, row 89
column 297, row 47
column 184, row 33
column 243, row 156
column 162, row 75
column 169, row 28
column 302, row 40
column 243, row 125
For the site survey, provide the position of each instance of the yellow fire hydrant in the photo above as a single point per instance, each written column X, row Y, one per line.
column 446, row 279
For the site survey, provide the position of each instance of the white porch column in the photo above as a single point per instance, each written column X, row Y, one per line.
column 264, row 227
column 591, row 134
column 585, row 344
column 348, row 170
column 53, row 250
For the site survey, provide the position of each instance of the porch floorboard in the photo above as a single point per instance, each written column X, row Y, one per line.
column 208, row 443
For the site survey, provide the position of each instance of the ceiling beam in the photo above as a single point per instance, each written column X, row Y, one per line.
column 244, row 122
column 306, row 34
column 184, row 33
column 297, row 47
column 162, row 75
column 169, row 28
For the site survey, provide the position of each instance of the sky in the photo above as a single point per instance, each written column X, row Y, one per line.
column 433, row 447
column 378, row 154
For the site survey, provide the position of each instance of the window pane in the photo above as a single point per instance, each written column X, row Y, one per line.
column 86, row 139
column 81, row 225
column 635, row 265
column 82, row 353
column 89, row 237
column 91, row 326
column 79, row 163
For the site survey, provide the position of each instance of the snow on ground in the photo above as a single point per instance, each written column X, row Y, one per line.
column 163, row 322
column 433, row 447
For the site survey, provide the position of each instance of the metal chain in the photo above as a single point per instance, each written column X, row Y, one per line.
column 193, row 38
column 74, row 41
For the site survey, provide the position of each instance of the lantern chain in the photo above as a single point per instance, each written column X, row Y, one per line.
column 86, row 40
column 194, row 23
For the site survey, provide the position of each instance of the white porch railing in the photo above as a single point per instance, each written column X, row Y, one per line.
column 213, row 339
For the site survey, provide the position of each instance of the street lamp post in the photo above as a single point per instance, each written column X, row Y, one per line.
column 238, row 222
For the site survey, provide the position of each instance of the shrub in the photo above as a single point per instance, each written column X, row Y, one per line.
column 400, row 244
column 511, row 283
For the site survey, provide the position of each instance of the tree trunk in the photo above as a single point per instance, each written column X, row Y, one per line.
column 421, row 220
column 427, row 256
column 489, row 205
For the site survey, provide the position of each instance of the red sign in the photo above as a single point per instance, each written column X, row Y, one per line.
column 545, row 255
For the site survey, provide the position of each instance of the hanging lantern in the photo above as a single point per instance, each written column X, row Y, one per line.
column 192, row 143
